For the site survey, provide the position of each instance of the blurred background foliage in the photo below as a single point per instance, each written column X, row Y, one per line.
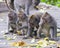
column 52, row 2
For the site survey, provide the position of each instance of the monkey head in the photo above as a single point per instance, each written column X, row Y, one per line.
column 22, row 16
column 12, row 15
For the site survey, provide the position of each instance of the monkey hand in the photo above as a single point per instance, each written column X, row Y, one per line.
column 41, row 22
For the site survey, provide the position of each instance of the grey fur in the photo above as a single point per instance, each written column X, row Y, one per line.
column 47, row 18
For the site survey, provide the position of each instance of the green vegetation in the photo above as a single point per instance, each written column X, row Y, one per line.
column 52, row 2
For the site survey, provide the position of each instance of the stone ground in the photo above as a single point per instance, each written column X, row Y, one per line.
column 4, row 43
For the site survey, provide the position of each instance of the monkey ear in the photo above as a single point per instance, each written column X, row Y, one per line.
column 32, row 16
column 46, row 12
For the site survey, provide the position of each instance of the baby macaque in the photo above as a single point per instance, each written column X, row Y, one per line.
column 12, row 21
column 22, row 22
column 33, row 25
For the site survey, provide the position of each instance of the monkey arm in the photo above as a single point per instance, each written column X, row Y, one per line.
column 40, row 27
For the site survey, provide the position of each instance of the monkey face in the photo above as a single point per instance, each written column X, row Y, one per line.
column 34, row 21
column 10, row 15
column 22, row 16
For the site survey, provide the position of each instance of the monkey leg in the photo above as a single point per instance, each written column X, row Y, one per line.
column 14, row 27
column 29, row 32
column 39, row 32
column 53, row 33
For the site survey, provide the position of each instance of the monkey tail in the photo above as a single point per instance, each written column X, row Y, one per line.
column 9, row 7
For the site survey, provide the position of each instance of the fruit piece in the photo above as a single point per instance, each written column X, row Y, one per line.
column 14, row 34
column 5, row 36
column 17, row 44
column 46, row 39
column 52, row 42
column 40, row 42
column 43, row 43
column 14, row 37
column 37, row 46
column 33, row 45
column 21, row 43
column 33, row 40
column 14, row 44
column 29, row 47
column 9, row 38
column 18, row 32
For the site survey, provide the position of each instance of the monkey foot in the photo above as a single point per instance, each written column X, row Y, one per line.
column 26, row 37
column 6, row 33
column 37, row 38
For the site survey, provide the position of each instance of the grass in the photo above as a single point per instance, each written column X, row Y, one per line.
column 52, row 2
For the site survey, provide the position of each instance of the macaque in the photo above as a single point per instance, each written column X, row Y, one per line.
column 22, row 5
column 34, row 21
column 22, row 22
column 12, row 21
column 50, row 21
column 33, row 25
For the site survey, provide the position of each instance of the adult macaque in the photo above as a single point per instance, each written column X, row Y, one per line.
column 22, row 4
column 47, row 18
